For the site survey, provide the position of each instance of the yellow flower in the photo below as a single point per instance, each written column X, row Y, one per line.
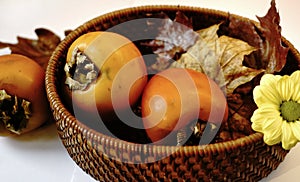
column 278, row 114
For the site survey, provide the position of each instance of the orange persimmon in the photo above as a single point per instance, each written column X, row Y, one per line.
column 175, row 97
column 23, row 101
column 112, row 74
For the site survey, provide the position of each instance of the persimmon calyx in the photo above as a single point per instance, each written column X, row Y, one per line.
column 14, row 112
column 80, row 71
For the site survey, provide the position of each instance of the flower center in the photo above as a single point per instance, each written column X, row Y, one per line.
column 290, row 110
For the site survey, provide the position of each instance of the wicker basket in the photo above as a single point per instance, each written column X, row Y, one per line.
column 104, row 157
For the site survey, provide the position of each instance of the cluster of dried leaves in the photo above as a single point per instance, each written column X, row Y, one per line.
column 221, row 58
column 270, row 54
column 39, row 49
column 235, row 61
column 230, row 60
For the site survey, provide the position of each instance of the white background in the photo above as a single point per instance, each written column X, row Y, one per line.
column 40, row 156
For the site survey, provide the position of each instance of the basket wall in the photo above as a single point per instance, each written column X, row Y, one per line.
column 101, row 156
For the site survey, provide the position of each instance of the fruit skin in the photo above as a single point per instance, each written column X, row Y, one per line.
column 123, row 73
column 180, row 93
column 23, row 77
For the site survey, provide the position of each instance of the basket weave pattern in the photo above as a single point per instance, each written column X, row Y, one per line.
column 245, row 159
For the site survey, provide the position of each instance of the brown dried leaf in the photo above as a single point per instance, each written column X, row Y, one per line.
column 271, row 54
column 174, row 37
column 235, row 102
column 39, row 50
column 202, row 56
column 220, row 58
column 184, row 20
column 245, row 30
column 240, row 124
column 273, row 51
column 232, row 52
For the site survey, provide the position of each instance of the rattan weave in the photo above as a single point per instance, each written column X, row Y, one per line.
column 244, row 159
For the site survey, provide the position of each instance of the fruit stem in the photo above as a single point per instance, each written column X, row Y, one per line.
column 14, row 112
column 80, row 71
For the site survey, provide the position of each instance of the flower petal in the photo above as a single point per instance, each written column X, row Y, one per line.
column 257, row 121
column 269, row 110
column 295, row 81
column 288, row 138
column 262, row 115
column 273, row 140
column 266, row 94
column 295, row 126
column 272, row 131
column 272, row 123
column 269, row 80
column 284, row 88
column 296, row 76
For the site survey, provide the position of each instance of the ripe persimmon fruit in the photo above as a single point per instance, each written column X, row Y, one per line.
column 23, row 101
column 175, row 97
column 102, row 67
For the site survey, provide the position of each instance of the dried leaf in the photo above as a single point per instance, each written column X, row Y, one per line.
column 184, row 20
column 220, row 58
column 174, row 37
column 39, row 50
column 235, row 102
column 272, row 49
column 232, row 52
column 271, row 54
column 245, row 30
column 202, row 56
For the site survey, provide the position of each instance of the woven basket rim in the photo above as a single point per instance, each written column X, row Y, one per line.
column 59, row 107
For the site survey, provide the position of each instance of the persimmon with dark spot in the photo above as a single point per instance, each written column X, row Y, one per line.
column 23, row 101
column 105, row 71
